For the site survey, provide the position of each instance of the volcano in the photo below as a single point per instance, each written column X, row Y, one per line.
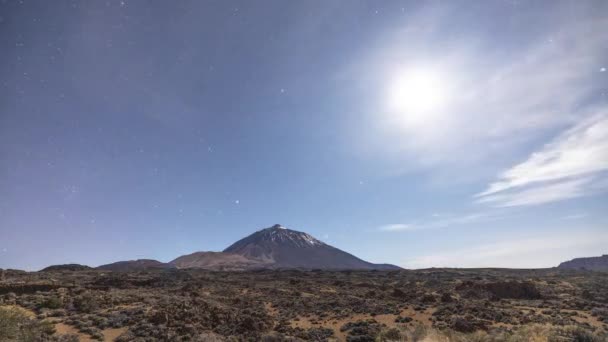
column 280, row 247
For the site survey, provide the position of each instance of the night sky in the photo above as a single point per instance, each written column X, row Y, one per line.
column 419, row 133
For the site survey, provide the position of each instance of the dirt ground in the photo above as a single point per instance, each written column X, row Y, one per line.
column 180, row 305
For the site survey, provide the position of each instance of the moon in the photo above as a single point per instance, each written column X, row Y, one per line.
column 416, row 95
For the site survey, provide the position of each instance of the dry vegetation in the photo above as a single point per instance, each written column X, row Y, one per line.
column 196, row 305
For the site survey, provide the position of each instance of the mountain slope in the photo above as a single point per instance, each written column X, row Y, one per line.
column 135, row 265
column 66, row 267
column 216, row 261
column 280, row 247
column 592, row 263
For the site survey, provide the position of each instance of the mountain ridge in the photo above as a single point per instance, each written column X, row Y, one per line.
column 134, row 265
column 275, row 247
column 215, row 260
column 599, row 263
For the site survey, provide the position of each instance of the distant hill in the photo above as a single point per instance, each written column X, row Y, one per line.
column 135, row 265
column 66, row 267
column 279, row 247
column 216, row 261
column 591, row 263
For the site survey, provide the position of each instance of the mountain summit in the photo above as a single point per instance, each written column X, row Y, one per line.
column 280, row 247
column 275, row 235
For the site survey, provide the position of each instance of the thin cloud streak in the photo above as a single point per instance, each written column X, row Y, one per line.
column 572, row 165
column 575, row 216
column 545, row 193
column 442, row 221
column 510, row 99
column 397, row 227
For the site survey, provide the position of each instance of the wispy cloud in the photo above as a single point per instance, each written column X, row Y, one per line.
column 573, row 165
column 575, row 216
column 544, row 193
column 498, row 102
column 442, row 221
column 397, row 227
column 542, row 251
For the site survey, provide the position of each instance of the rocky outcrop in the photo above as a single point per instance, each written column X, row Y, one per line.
column 66, row 267
column 591, row 264
column 135, row 265
column 216, row 261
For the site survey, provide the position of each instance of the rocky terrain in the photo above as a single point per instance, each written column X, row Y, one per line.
column 216, row 261
column 279, row 284
column 65, row 304
column 593, row 263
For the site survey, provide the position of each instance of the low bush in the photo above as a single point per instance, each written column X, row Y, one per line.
column 15, row 325
column 51, row 303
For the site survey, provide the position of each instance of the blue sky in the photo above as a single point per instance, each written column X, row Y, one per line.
column 423, row 134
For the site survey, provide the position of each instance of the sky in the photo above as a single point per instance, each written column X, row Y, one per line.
column 418, row 133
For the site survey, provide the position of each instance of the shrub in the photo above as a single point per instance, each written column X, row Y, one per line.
column 581, row 335
column 320, row 334
column 15, row 325
column 86, row 303
column 402, row 319
column 392, row 334
column 52, row 303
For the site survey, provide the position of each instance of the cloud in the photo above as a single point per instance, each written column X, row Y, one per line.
column 572, row 165
column 575, row 216
column 396, row 227
column 442, row 221
column 500, row 100
column 534, row 252
column 540, row 194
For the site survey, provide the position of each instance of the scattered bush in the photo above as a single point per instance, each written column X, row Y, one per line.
column 86, row 303
column 401, row 319
column 15, row 325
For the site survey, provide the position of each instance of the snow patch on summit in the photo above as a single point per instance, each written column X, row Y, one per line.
column 278, row 233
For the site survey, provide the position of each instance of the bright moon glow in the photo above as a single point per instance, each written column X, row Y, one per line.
column 416, row 95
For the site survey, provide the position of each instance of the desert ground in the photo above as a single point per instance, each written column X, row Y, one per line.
column 291, row 305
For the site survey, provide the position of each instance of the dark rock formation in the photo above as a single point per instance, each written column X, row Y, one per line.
column 591, row 264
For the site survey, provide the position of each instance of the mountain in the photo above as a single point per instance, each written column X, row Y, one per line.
column 276, row 248
column 592, row 263
column 66, row 267
column 216, row 261
column 135, row 265
column 279, row 247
